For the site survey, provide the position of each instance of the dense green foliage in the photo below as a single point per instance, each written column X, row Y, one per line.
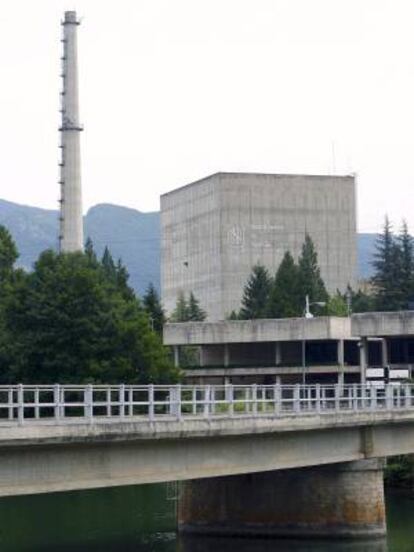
column 256, row 294
column 152, row 305
column 188, row 310
column 394, row 269
column 284, row 295
column 75, row 319
column 284, row 300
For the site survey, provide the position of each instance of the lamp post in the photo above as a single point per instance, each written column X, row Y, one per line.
column 306, row 315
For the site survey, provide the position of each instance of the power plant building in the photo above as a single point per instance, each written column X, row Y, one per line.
column 215, row 229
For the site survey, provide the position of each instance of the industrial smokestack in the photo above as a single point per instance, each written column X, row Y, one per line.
column 71, row 221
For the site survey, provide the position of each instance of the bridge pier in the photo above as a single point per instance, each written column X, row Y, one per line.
column 338, row 500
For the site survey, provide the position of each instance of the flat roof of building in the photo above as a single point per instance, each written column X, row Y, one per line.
column 383, row 324
column 256, row 331
column 256, row 174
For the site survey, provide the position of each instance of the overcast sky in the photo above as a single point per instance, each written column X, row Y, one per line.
column 173, row 90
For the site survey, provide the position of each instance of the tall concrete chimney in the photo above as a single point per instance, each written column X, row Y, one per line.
column 71, row 221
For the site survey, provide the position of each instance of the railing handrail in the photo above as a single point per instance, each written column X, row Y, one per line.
column 21, row 403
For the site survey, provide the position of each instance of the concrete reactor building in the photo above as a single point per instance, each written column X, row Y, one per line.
column 215, row 229
column 71, row 220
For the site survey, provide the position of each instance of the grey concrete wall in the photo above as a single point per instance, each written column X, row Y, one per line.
column 251, row 331
column 382, row 324
column 39, row 458
column 224, row 224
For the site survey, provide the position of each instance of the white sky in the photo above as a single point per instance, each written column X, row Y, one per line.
column 173, row 90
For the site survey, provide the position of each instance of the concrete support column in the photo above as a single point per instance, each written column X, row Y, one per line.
column 338, row 500
column 278, row 380
column 341, row 361
column 363, row 358
column 201, row 356
column 384, row 352
column 226, row 356
column 176, row 349
column 278, row 353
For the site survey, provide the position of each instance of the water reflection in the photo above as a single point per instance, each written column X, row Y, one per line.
column 226, row 544
column 142, row 519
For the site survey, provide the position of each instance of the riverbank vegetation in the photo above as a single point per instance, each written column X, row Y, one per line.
column 74, row 318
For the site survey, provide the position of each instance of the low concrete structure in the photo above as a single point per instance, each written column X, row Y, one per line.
column 289, row 349
column 395, row 332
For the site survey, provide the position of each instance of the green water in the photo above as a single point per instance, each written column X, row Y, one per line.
column 142, row 519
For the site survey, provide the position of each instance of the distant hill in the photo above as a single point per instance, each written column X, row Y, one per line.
column 366, row 249
column 130, row 235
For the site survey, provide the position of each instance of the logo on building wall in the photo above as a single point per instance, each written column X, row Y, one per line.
column 236, row 235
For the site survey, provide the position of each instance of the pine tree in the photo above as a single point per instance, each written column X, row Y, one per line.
column 310, row 280
column 181, row 311
column 8, row 253
column 284, row 300
column 406, row 266
column 387, row 264
column 195, row 312
column 89, row 250
column 256, row 294
column 108, row 264
column 153, row 307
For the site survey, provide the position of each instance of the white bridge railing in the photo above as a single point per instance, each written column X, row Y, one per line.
column 88, row 403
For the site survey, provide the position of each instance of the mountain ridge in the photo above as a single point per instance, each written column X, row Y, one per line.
column 130, row 234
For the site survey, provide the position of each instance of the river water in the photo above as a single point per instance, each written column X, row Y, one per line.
column 142, row 519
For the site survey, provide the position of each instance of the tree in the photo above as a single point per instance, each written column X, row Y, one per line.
column 153, row 307
column 310, row 280
column 387, row 264
column 195, row 312
column 337, row 305
column 108, row 264
column 284, row 300
column 89, row 250
column 256, row 294
column 8, row 254
column 181, row 312
column 406, row 265
column 70, row 323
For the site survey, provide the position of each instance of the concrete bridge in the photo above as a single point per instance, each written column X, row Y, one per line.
column 237, row 448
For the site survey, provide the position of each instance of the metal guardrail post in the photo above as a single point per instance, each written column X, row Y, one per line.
column 206, row 401
column 10, row 404
column 407, row 397
column 36, row 401
column 121, row 400
column 318, row 398
column 151, row 412
column 88, row 401
column 296, row 398
column 20, row 404
column 389, row 399
column 230, row 398
column 337, row 392
column 277, row 398
column 56, row 401
column 254, row 399
column 178, row 406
